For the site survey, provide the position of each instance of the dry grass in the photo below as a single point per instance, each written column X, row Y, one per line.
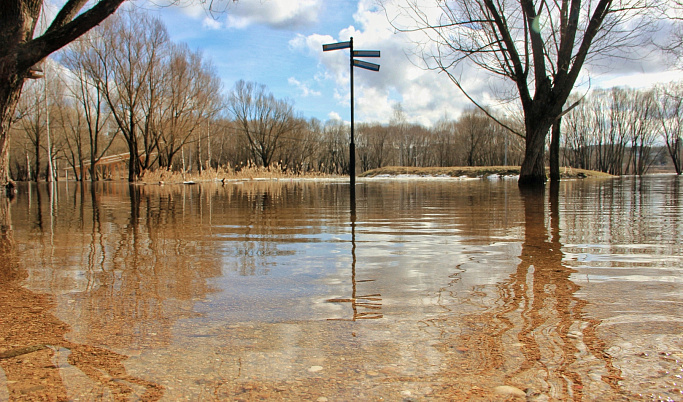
column 228, row 173
column 253, row 172
column 473, row 171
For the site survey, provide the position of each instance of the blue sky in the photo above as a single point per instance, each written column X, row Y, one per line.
column 278, row 43
column 284, row 52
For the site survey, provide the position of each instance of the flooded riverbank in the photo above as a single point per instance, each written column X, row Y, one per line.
column 439, row 290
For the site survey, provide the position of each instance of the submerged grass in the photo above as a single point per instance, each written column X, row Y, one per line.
column 275, row 172
column 474, row 171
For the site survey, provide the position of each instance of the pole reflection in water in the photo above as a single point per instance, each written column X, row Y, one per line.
column 363, row 307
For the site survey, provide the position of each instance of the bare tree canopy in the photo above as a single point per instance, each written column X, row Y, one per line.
column 539, row 46
column 21, row 50
column 672, row 42
column 262, row 118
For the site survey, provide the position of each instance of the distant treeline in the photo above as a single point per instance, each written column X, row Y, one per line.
column 127, row 89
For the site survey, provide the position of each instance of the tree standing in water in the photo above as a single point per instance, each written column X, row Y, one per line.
column 539, row 46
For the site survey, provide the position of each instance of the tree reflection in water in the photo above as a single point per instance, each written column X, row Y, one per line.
column 536, row 337
column 31, row 339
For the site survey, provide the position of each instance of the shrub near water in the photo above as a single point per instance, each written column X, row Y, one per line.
column 248, row 172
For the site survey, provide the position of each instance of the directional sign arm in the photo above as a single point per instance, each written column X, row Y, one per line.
column 336, row 46
column 366, row 53
column 366, row 65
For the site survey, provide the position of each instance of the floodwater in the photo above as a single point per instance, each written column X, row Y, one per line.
column 422, row 290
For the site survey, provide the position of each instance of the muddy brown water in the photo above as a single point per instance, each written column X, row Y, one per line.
column 424, row 290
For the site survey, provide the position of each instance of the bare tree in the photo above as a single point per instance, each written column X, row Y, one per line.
column 190, row 96
column 644, row 130
column 444, row 142
column 579, row 139
column 299, row 146
column 128, row 50
column 670, row 119
column 262, row 119
column 90, row 115
column 376, row 147
column 334, row 156
column 39, row 120
column 540, row 47
column 21, row 50
column 475, row 130
column 612, row 131
column 402, row 136
column 32, row 123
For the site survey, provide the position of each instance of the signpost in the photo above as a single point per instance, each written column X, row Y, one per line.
column 362, row 64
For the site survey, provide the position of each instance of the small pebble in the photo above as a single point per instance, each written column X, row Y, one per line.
column 509, row 390
column 315, row 369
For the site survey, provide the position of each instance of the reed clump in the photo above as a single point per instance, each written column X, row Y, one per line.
column 474, row 171
column 250, row 171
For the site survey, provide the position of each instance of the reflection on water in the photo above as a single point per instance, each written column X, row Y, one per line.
column 447, row 290
column 364, row 307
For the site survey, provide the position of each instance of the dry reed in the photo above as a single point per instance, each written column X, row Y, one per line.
column 226, row 173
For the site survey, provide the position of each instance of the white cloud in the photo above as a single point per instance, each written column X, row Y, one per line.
column 424, row 95
column 334, row 116
column 303, row 88
column 427, row 95
column 211, row 23
column 281, row 14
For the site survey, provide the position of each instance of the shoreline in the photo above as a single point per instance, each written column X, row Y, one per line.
column 384, row 173
column 473, row 172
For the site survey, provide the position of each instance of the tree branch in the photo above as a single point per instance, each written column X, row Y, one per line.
column 61, row 33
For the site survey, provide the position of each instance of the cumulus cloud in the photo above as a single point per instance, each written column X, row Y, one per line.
column 424, row 95
column 427, row 95
column 334, row 116
column 281, row 14
column 211, row 23
column 303, row 88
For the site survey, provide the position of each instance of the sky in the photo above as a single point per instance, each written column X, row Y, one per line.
column 278, row 43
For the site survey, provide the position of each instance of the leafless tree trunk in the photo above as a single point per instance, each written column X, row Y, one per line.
column 670, row 119
column 89, row 104
column 262, row 119
column 128, row 50
column 32, row 124
column 189, row 97
column 539, row 47
column 644, row 134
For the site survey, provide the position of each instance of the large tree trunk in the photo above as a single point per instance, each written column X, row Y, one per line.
column 10, row 89
column 540, row 114
column 532, row 172
column 20, row 51
column 555, row 151
column 133, row 163
column 11, row 84
column 17, row 23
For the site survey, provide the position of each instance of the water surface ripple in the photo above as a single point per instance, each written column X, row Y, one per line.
column 439, row 290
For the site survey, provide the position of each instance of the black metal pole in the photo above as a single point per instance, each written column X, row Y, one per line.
column 352, row 146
